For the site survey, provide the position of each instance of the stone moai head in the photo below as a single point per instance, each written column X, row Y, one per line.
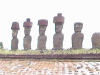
column 95, row 40
column 27, row 26
column 15, row 28
column 42, row 26
column 78, row 26
column 58, row 20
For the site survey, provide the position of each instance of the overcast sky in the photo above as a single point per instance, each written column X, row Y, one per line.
column 86, row 11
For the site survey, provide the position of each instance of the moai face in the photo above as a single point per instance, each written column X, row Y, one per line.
column 27, row 30
column 42, row 26
column 14, row 33
column 42, row 29
column 78, row 27
column 58, row 20
column 58, row 28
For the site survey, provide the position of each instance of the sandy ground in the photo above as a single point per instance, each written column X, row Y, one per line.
column 42, row 67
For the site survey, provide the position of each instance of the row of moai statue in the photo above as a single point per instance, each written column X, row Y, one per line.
column 77, row 37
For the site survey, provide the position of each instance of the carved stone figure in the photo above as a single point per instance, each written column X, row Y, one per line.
column 58, row 36
column 95, row 41
column 42, row 38
column 27, row 39
column 77, row 37
column 14, row 41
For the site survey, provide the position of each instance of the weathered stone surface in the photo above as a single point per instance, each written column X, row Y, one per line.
column 77, row 37
column 42, row 38
column 14, row 33
column 58, row 36
column 15, row 26
column 27, row 30
column 14, row 42
column 27, row 39
column 27, row 42
column 58, row 19
column 78, row 26
column 42, row 42
column 95, row 41
column 58, row 41
column 27, row 23
column 42, row 22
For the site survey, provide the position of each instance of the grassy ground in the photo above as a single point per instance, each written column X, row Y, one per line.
column 45, row 52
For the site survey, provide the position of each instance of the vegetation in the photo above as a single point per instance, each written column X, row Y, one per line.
column 1, row 45
column 46, row 52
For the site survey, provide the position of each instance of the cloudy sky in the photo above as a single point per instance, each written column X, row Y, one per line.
column 86, row 11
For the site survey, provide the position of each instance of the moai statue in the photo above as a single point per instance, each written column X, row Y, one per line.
column 14, row 41
column 42, row 38
column 95, row 41
column 27, row 38
column 77, row 37
column 58, row 36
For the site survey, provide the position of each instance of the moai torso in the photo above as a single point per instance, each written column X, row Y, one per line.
column 58, row 36
column 14, row 41
column 42, row 38
column 42, row 42
column 95, row 41
column 58, row 41
column 27, row 42
column 27, row 38
column 77, row 37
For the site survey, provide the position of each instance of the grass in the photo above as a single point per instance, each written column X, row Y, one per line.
column 46, row 52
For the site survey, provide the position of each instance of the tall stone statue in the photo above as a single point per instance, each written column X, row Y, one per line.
column 14, row 41
column 27, row 38
column 95, row 41
column 42, row 38
column 77, row 37
column 58, row 36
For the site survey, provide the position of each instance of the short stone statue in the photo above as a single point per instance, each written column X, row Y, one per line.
column 27, row 39
column 14, row 41
column 77, row 37
column 42, row 38
column 95, row 41
column 58, row 36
